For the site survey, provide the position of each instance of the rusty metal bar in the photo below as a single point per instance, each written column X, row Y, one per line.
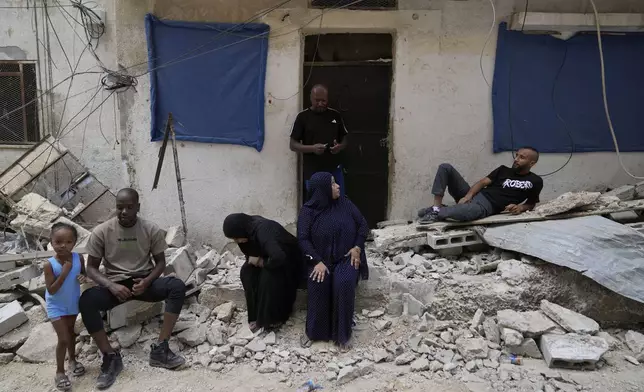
column 24, row 108
column 182, row 203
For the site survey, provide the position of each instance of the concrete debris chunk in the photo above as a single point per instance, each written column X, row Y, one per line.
column 405, row 358
column 270, row 339
column 132, row 313
column 420, row 365
column 444, row 356
column 569, row 320
column 530, row 324
column 129, row 335
column 477, row 319
column 35, row 206
column 209, row 261
column 347, row 374
column 268, row 367
column 572, row 349
column 472, row 348
column 41, row 343
column 623, row 193
column 225, row 311
column 635, row 341
column 256, row 345
column 632, row 360
column 6, row 358
column 435, row 366
column 491, row 331
column 639, row 190
column 527, row 348
column 180, row 263
column 514, row 272
column 175, row 237
column 193, row 336
column 613, row 342
column 213, row 296
column 412, row 306
column 512, row 337
column 10, row 296
column 11, row 317
column 17, row 276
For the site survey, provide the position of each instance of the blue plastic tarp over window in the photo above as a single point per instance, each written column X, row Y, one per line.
column 548, row 91
column 211, row 77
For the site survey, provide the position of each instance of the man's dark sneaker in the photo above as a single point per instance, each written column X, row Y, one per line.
column 161, row 356
column 110, row 369
column 424, row 211
column 430, row 217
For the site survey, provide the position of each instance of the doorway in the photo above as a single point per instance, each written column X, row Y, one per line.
column 357, row 69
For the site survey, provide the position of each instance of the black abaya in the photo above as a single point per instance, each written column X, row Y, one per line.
column 270, row 290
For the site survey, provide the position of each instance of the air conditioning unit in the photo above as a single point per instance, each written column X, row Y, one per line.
column 565, row 25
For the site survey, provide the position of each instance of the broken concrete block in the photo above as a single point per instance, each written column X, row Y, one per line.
column 175, row 237
column 133, row 312
column 41, row 343
column 180, row 264
column 225, row 311
column 514, row 272
column 18, row 336
column 412, row 306
column 213, row 296
column 512, row 337
column 527, row 348
column 530, row 324
column 35, row 206
column 11, row 317
column 569, row 320
column 477, row 319
column 420, row 365
column 639, row 190
column 129, row 335
column 6, row 358
column 613, row 342
column 572, row 349
column 491, row 331
column 193, row 336
column 624, row 193
column 635, row 341
column 17, row 276
column 472, row 348
column 10, row 296
column 42, row 229
column 7, row 266
column 209, row 261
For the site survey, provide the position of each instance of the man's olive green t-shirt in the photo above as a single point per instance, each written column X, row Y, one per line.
column 126, row 250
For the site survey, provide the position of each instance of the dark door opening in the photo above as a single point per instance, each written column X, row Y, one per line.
column 357, row 69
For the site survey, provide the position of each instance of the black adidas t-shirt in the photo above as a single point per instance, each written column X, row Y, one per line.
column 508, row 187
column 319, row 127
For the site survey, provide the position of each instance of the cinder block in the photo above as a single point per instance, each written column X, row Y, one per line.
column 17, row 276
column 180, row 264
column 133, row 312
column 452, row 239
column 11, row 317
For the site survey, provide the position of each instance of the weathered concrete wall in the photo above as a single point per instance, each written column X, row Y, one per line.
column 24, row 35
column 441, row 109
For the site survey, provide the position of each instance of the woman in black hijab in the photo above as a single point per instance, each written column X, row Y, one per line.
column 272, row 270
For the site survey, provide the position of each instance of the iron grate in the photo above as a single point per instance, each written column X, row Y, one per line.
column 18, row 103
column 354, row 4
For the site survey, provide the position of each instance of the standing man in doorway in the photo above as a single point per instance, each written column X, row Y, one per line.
column 319, row 134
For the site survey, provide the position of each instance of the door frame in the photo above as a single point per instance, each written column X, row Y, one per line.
column 302, row 90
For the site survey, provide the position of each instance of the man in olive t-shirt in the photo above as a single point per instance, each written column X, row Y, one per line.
column 125, row 245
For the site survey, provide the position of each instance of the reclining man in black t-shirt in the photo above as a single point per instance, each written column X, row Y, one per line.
column 514, row 190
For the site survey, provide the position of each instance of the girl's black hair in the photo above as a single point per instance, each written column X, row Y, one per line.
column 61, row 225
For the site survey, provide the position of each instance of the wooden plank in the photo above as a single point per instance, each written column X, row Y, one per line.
column 634, row 205
column 33, row 255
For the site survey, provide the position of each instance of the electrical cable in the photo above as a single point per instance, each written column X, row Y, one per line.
column 525, row 14
column 487, row 39
column 605, row 95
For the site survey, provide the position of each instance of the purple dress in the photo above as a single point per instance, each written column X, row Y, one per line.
column 327, row 229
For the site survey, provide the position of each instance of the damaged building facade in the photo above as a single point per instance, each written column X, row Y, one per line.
column 440, row 105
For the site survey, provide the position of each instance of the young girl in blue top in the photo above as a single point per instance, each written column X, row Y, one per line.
column 63, row 275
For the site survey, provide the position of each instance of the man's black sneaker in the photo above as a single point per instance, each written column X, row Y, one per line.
column 110, row 369
column 161, row 356
column 424, row 211
column 430, row 217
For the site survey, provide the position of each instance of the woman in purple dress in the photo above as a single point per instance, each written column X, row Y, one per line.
column 331, row 232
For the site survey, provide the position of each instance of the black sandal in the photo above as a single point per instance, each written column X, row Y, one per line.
column 77, row 368
column 62, row 382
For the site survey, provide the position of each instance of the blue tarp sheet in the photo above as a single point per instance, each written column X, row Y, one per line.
column 211, row 77
column 539, row 78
